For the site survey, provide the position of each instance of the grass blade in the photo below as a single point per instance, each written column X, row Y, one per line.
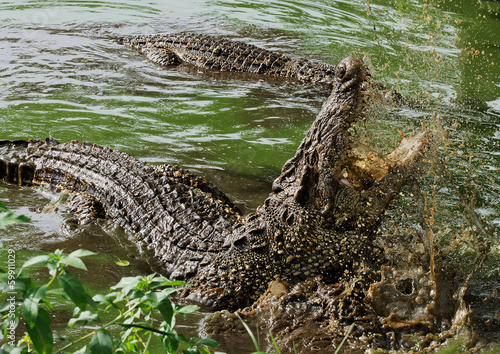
column 274, row 342
column 255, row 341
column 345, row 338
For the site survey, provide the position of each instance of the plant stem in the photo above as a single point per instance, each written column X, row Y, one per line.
column 345, row 338
column 103, row 326
column 431, row 240
column 76, row 341
column 151, row 329
column 54, row 278
column 149, row 338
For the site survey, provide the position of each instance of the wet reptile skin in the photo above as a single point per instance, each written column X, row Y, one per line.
column 229, row 55
column 312, row 223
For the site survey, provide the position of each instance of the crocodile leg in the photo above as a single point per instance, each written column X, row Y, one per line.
column 161, row 56
column 86, row 208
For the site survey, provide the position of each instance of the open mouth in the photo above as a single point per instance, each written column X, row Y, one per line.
column 367, row 164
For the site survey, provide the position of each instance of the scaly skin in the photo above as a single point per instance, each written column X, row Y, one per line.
column 314, row 222
column 181, row 217
column 228, row 55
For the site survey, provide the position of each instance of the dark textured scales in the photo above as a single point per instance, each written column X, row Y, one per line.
column 227, row 55
column 312, row 223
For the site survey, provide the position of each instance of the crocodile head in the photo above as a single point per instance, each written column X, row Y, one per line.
column 325, row 207
column 314, row 170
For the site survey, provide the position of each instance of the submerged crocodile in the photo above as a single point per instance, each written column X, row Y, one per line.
column 228, row 55
column 320, row 217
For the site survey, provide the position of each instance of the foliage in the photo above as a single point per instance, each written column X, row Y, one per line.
column 7, row 217
column 256, row 339
column 139, row 305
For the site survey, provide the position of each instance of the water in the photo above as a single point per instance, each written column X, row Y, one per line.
column 63, row 75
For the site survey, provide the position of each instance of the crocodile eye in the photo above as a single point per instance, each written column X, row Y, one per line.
column 341, row 71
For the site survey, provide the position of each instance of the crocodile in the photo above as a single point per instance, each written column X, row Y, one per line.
column 320, row 218
column 224, row 54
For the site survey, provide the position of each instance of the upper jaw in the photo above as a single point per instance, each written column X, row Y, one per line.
column 360, row 167
column 365, row 180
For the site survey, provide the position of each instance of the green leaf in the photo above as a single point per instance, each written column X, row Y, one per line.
column 13, row 322
column 165, row 282
column 56, row 291
column 169, row 291
column 5, row 306
column 42, row 259
column 274, row 342
column 74, row 289
column 73, row 261
column 208, row 342
column 345, row 338
column 81, row 253
column 256, row 341
column 30, row 304
column 37, row 293
column 101, row 342
column 82, row 351
column 122, row 263
column 58, row 337
column 7, row 218
column 7, row 348
column 3, row 208
column 52, row 267
column 104, row 300
column 127, row 283
column 191, row 350
column 23, row 284
column 85, row 316
column 153, row 297
column 186, row 309
column 203, row 350
column 40, row 334
column 101, row 299
column 166, row 309
column 171, row 343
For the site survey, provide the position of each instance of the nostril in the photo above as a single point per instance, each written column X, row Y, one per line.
column 406, row 286
column 341, row 70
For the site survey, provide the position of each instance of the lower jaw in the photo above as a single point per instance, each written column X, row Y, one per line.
column 365, row 167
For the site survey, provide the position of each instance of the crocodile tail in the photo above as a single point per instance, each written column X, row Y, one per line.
column 13, row 167
column 184, row 225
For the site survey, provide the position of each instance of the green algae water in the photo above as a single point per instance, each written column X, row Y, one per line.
column 63, row 75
